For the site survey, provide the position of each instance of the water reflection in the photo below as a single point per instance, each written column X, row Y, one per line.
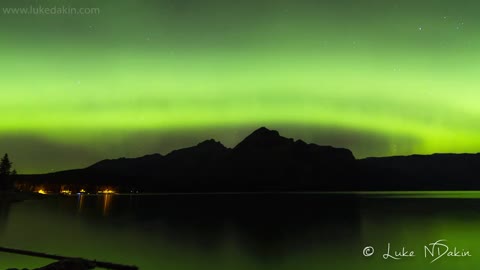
column 80, row 201
column 243, row 232
column 4, row 213
column 104, row 200
column 107, row 200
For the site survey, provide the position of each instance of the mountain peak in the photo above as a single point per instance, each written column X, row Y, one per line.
column 205, row 148
column 211, row 144
column 264, row 130
column 263, row 138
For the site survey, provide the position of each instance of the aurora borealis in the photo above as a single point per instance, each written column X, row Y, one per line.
column 379, row 77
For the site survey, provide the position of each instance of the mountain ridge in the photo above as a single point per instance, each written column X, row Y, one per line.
column 267, row 161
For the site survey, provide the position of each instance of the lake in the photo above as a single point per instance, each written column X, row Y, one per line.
column 249, row 231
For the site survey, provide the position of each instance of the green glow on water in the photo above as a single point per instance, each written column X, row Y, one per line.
column 138, row 230
column 421, row 194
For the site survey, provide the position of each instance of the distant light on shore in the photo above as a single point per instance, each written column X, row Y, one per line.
column 66, row 192
column 106, row 191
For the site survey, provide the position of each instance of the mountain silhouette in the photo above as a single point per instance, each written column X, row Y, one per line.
column 263, row 139
column 266, row 161
column 422, row 172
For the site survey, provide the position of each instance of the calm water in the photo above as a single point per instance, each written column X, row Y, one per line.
column 256, row 231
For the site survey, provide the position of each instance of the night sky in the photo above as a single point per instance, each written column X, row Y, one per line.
column 379, row 77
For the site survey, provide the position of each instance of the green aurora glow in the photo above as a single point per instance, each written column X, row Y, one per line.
column 403, row 76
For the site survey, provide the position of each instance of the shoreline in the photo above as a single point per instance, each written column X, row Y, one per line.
column 13, row 196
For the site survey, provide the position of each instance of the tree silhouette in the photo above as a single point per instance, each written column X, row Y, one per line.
column 6, row 181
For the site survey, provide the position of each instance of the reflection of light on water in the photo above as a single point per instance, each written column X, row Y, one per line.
column 80, row 200
column 107, row 199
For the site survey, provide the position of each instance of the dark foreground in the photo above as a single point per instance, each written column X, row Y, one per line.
column 68, row 263
column 246, row 231
column 65, row 265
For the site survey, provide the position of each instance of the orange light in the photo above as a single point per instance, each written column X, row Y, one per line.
column 66, row 192
column 41, row 191
column 82, row 190
column 106, row 191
